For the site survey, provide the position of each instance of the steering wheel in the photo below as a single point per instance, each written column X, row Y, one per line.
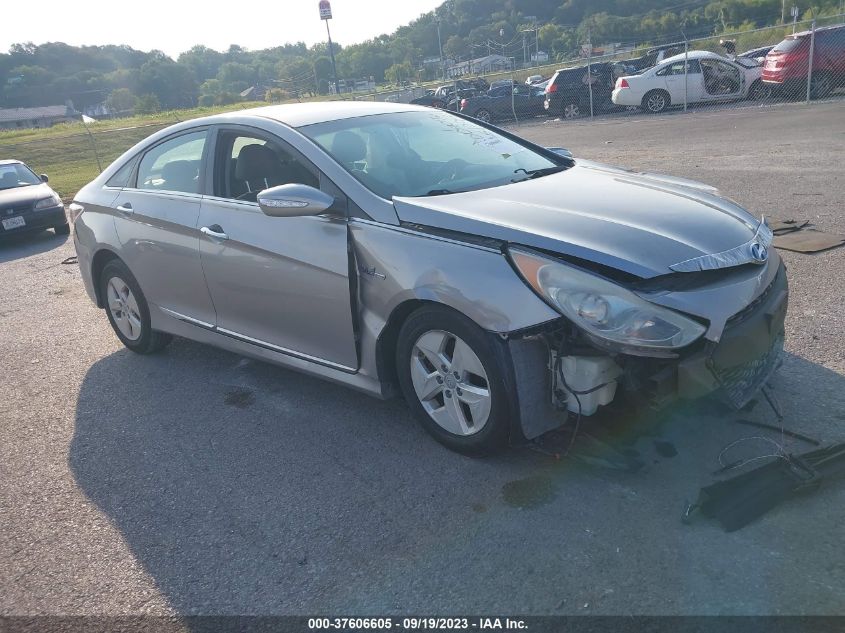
column 450, row 170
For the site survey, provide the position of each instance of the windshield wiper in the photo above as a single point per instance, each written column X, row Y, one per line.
column 538, row 173
column 440, row 192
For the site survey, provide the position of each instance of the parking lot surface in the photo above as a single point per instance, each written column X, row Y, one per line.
column 199, row 482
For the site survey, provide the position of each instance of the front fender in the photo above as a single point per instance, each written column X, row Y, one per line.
column 397, row 265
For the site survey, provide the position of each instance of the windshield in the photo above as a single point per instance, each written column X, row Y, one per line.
column 426, row 153
column 17, row 175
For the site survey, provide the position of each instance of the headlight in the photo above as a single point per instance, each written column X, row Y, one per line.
column 603, row 308
column 48, row 203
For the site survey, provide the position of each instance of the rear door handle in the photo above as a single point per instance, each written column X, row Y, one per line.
column 126, row 208
column 215, row 231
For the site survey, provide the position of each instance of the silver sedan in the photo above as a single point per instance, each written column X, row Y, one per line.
column 501, row 287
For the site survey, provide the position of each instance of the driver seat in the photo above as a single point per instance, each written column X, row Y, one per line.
column 258, row 168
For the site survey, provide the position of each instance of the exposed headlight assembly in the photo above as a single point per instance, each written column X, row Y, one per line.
column 605, row 309
column 48, row 203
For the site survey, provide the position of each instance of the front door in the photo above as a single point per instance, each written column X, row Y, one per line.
column 281, row 283
column 722, row 80
column 683, row 84
column 156, row 222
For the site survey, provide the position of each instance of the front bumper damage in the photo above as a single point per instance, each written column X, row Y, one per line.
column 733, row 368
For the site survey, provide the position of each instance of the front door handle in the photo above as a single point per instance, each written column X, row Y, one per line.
column 126, row 208
column 215, row 231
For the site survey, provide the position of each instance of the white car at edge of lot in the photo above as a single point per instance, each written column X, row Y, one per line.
column 708, row 78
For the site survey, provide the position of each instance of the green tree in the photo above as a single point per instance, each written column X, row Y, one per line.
column 121, row 101
column 147, row 104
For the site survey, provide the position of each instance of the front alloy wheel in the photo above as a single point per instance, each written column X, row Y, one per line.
column 457, row 379
column 450, row 382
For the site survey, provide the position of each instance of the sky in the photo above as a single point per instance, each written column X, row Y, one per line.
column 175, row 26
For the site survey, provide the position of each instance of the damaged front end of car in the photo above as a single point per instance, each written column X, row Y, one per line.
column 717, row 330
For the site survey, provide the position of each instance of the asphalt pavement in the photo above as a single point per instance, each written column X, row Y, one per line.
column 199, row 482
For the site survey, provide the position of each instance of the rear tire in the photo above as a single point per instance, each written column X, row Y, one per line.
column 656, row 101
column 820, row 86
column 571, row 111
column 62, row 229
column 128, row 311
column 455, row 378
column 483, row 116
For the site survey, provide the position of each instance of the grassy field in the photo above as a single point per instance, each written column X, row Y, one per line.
column 68, row 153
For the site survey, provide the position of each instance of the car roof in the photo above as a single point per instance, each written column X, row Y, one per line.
column 694, row 55
column 10, row 161
column 833, row 27
column 301, row 114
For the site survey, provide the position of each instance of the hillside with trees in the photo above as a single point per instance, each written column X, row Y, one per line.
column 128, row 80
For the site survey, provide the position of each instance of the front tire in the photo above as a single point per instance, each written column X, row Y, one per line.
column 454, row 376
column 128, row 311
column 759, row 91
column 656, row 101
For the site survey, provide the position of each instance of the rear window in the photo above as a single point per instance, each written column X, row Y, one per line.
column 788, row 45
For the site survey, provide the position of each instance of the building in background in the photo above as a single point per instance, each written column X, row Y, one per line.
column 45, row 116
column 480, row 66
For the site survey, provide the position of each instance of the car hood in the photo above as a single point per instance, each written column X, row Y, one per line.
column 23, row 195
column 638, row 223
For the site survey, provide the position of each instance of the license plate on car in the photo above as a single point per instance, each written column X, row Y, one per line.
column 14, row 223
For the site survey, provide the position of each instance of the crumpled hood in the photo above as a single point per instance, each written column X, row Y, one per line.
column 23, row 195
column 638, row 223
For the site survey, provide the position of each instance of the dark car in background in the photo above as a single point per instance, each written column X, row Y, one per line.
column 787, row 64
column 431, row 100
column 503, row 102
column 27, row 203
column 569, row 91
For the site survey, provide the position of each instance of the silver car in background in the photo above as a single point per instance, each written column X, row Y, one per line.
column 498, row 285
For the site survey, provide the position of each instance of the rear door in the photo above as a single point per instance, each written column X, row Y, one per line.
column 156, row 222
column 280, row 283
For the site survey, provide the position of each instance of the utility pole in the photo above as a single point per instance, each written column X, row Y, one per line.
column 524, row 50
column 326, row 15
column 440, row 46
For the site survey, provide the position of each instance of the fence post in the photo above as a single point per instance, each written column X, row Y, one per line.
column 810, row 65
column 590, row 68
column 686, row 70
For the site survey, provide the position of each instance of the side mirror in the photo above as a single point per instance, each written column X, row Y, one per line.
column 560, row 151
column 287, row 201
column 44, row 178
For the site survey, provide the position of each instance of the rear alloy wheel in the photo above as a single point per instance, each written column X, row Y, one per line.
column 128, row 311
column 452, row 374
column 759, row 91
column 820, row 86
column 483, row 115
column 656, row 101
column 571, row 111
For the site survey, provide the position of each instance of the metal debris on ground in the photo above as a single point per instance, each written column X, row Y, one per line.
column 738, row 501
column 797, row 236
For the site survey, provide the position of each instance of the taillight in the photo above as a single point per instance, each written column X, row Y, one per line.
column 551, row 88
column 623, row 83
column 463, row 103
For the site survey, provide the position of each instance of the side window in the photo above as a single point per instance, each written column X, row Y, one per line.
column 122, row 175
column 173, row 165
column 247, row 164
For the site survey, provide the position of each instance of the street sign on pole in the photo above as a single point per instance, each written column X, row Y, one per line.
column 325, row 10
